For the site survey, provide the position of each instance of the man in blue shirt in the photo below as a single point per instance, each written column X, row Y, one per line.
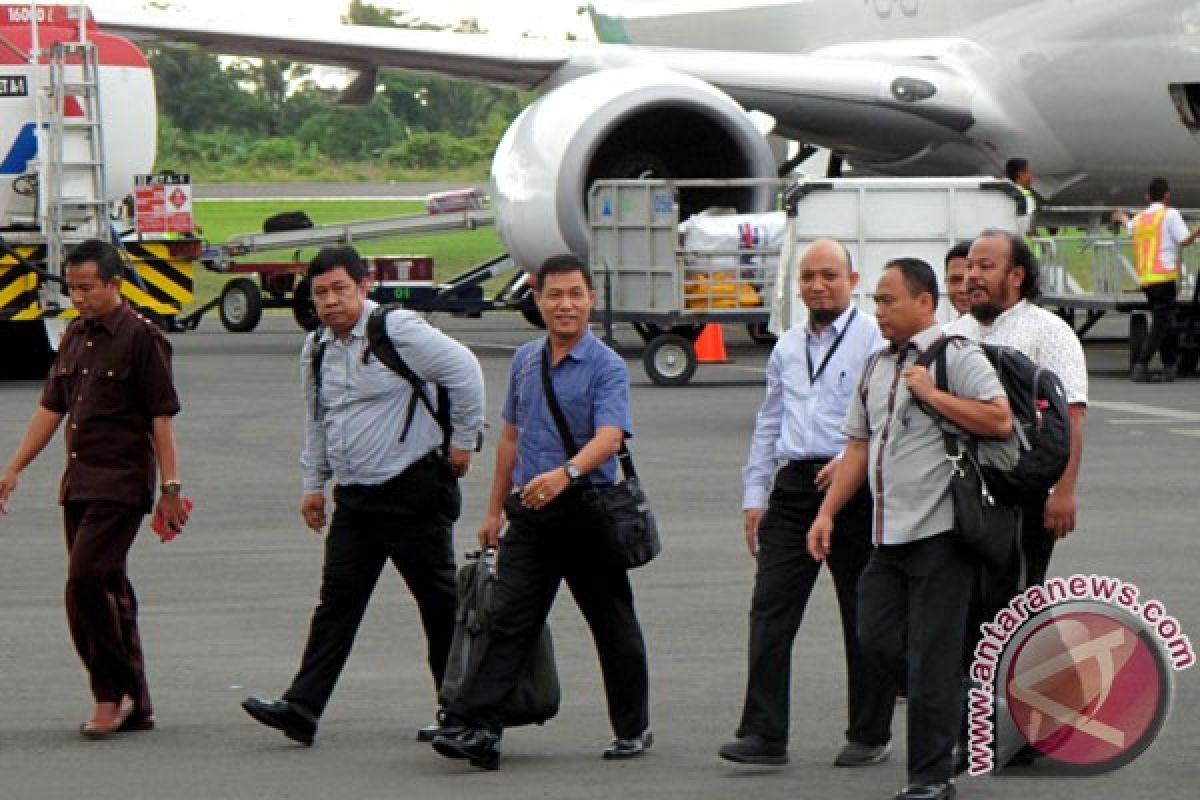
column 811, row 377
column 552, row 535
column 396, row 495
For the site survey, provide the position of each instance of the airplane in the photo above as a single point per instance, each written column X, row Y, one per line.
column 1098, row 96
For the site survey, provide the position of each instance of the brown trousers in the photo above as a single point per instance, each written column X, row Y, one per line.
column 101, row 605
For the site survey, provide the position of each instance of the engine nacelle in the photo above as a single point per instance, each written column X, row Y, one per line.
column 621, row 123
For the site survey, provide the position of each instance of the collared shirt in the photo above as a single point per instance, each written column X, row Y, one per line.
column 800, row 419
column 1041, row 335
column 1174, row 231
column 592, row 387
column 111, row 377
column 906, row 465
column 355, row 436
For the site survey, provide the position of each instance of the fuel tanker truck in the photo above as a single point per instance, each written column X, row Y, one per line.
column 77, row 130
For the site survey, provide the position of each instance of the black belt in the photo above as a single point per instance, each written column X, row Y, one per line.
column 807, row 463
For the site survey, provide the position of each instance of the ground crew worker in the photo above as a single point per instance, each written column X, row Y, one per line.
column 1158, row 233
column 1019, row 172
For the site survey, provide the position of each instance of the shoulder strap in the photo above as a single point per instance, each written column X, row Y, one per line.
column 317, row 358
column 935, row 356
column 624, row 457
column 382, row 347
column 560, row 420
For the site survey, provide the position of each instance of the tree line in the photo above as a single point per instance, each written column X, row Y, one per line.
column 223, row 120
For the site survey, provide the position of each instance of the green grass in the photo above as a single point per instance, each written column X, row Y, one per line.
column 222, row 219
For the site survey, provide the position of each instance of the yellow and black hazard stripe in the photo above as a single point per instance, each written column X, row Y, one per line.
column 158, row 281
column 154, row 279
column 19, row 285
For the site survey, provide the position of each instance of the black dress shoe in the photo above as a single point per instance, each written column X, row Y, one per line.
column 137, row 721
column 443, row 726
column 862, row 755
column 928, row 791
column 478, row 746
column 296, row 722
column 629, row 748
column 754, row 749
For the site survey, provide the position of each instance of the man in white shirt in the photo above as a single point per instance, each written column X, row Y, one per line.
column 956, row 278
column 1002, row 279
column 811, row 378
column 1158, row 234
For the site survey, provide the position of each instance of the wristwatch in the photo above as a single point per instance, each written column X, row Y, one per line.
column 573, row 472
column 172, row 487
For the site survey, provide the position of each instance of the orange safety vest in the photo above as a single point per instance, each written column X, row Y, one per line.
column 1147, row 248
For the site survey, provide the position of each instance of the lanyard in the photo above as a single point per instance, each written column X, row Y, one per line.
column 813, row 376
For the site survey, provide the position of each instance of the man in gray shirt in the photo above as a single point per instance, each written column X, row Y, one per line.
column 396, row 495
column 914, row 591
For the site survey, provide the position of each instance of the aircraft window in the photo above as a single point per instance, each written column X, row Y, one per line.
column 1186, row 97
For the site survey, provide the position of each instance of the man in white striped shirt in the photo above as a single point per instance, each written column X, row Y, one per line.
column 396, row 495
column 1002, row 279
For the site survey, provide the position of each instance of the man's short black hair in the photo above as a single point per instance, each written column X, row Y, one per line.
column 1021, row 256
column 918, row 276
column 1014, row 167
column 561, row 265
column 104, row 255
column 959, row 250
column 1157, row 190
column 328, row 259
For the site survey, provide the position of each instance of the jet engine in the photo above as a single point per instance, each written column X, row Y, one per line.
column 622, row 123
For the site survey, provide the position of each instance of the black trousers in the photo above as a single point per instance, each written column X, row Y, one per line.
column 1163, row 336
column 407, row 520
column 783, row 582
column 540, row 551
column 912, row 613
column 101, row 605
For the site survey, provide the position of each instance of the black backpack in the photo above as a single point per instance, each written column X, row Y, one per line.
column 1042, row 423
column 380, row 345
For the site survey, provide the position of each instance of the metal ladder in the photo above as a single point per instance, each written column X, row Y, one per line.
column 72, row 204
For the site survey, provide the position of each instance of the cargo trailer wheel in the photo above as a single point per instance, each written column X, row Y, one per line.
column 303, row 310
column 670, row 360
column 759, row 334
column 28, row 351
column 241, row 305
column 1138, row 330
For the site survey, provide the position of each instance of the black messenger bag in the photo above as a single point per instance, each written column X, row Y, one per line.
column 622, row 510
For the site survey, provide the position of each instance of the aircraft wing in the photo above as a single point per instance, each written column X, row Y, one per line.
column 883, row 103
column 484, row 59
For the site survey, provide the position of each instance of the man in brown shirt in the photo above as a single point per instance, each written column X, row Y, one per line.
column 112, row 379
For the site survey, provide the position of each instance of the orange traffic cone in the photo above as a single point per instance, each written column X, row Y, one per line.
column 710, row 345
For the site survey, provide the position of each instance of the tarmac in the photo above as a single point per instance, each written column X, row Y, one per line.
column 225, row 607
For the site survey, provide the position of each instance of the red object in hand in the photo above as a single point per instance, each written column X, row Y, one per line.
column 159, row 524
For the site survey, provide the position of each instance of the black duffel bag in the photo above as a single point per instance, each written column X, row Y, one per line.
column 536, row 695
column 623, row 513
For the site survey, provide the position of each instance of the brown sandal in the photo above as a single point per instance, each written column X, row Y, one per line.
column 94, row 730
